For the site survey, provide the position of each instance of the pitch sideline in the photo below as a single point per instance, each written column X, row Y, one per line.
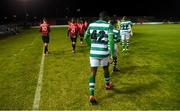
column 37, row 96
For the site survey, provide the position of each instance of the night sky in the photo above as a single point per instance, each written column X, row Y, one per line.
column 61, row 8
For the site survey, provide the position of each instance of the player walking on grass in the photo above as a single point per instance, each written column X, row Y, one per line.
column 72, row 33
column 97, row 37
column 81, row 30
column 116, row 41
column 125, row 34
column 45, row 29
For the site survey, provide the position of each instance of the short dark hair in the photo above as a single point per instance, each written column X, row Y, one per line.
column 103, row 15
column 44, row 19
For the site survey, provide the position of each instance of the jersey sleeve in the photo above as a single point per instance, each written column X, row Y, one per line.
column 87, row 37
column 111, row 40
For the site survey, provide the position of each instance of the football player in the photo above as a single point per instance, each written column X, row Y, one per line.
column 116, row 41
column 81, row 30
column 45, row 29
column 125, row 34
column 72, row 33
column 97, row 37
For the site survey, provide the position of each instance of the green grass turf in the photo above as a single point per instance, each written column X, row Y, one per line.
column 20, row 57
column 149, row 76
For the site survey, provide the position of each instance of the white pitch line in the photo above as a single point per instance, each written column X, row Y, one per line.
column 39, row 86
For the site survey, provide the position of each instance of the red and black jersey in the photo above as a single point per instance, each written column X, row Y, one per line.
column 81, row 28
column 44, row 29
column 72, row 30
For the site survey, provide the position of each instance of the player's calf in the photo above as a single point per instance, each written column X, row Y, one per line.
column 81, row 40
column 115, row 64
column 108, row 83
column 46, row 48
column 73, row 46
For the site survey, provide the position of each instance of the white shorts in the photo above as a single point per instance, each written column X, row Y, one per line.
column 124, row 35
column 115, row 49
column 96, row 62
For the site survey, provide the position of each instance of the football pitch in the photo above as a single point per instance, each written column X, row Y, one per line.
column 149, row 76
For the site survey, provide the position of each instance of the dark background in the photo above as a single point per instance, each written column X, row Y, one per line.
column 88, row 8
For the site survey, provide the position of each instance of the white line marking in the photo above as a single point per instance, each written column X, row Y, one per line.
column 39, row 86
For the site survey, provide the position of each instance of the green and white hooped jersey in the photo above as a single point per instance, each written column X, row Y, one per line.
column 116, row 35
column 98, row 32
column 124, row 25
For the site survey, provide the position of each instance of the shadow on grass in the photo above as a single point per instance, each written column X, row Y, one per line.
column 139, row 35
column 60, row 52
column 135, row 88
column 63, row 53
column 79, row 49
column 82, row 49
column 129, row 70
column 131, row 90
column 134, row 43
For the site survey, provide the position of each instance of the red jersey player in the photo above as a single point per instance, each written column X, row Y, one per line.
column 45, row 29
column 72, row 33
column 81, row 29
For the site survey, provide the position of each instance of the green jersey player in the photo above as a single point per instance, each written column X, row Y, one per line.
column 116, row 41
column 97, row 37
column 125, row 34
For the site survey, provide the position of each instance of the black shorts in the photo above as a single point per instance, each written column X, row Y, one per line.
column 45, row 39
column 73, row 39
